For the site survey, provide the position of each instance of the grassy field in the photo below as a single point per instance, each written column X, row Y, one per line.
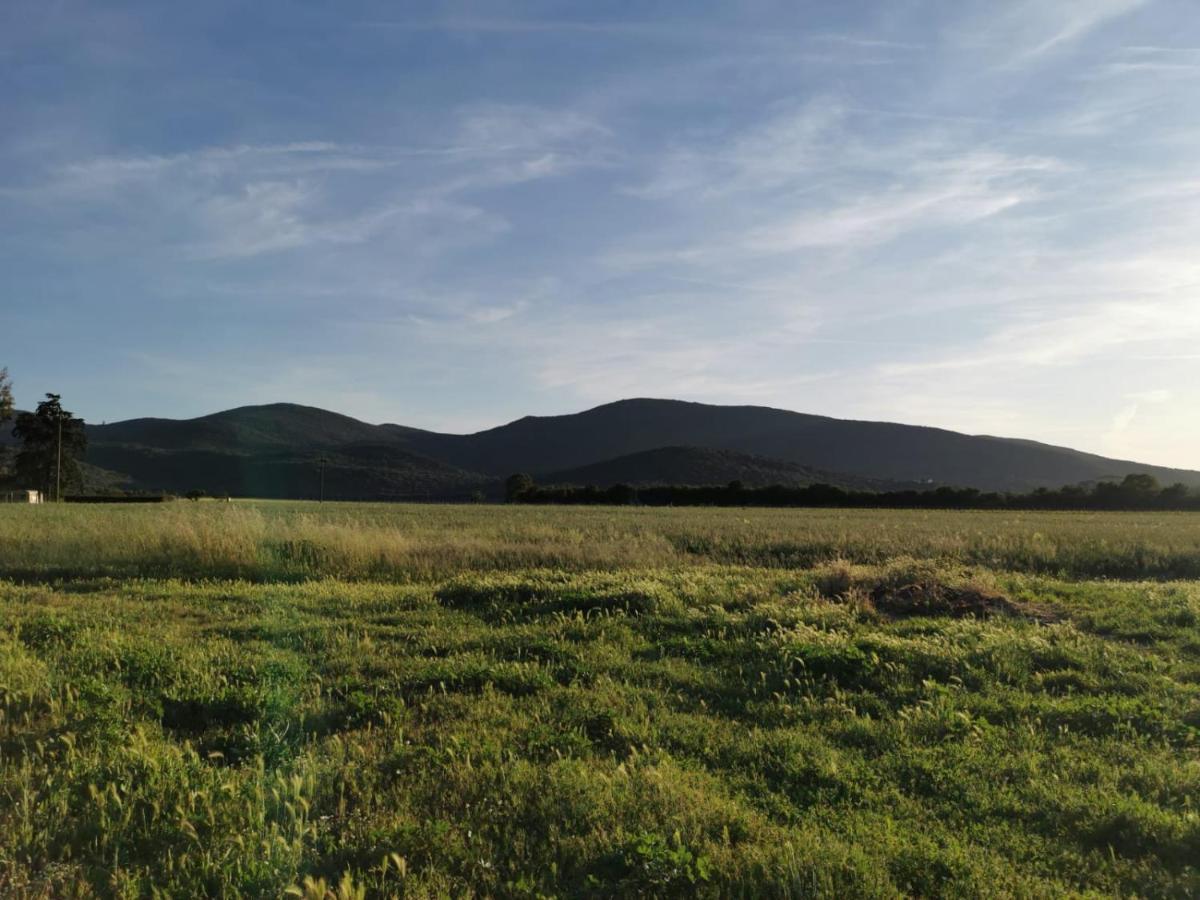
column 358, row 700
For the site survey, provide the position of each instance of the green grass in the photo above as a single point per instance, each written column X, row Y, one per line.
column 239, row 700
column 281, row 541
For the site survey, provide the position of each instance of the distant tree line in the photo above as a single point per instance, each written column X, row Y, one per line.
column 1134, row 492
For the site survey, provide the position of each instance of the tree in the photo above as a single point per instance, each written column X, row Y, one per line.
column 6, row 414
column 52, row 443
column 517, row 485
column 6, row 397
column 1175, row 494
column 1140, row 485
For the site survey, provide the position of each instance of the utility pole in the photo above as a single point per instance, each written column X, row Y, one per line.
column 322, row 461
column 58, row 464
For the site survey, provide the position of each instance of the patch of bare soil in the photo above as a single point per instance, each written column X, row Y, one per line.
column 933, row 598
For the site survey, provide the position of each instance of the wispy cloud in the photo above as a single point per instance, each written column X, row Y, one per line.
column 243, row 200
column 808, row 180
column 1075, row 18
column 1020, row 34
column 1057, row 338
column 978, row 215
column 1178, row 61
column 856, row 40
column 951, row 193
column 525, row 26
column 677, row 30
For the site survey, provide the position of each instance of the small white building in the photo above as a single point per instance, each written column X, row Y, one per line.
column 20, row 496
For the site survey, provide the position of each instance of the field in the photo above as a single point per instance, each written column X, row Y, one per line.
column 422, row 701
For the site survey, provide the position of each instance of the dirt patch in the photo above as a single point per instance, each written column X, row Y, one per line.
column 936, row 599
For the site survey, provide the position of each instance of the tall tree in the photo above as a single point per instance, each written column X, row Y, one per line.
column 516, row 486
column 6, row 414
column 52, row 443
column 6, row 398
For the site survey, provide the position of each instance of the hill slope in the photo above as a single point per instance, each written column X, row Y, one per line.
column 703, row 466
column 272, row 451
column 244, row 429
column 352, row 472
column 878, row 450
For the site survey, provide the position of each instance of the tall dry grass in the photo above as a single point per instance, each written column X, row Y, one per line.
column 294, row 541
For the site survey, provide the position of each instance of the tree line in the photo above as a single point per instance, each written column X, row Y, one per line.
column 1134, row 492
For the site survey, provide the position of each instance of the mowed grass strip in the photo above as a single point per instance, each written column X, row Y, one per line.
column 907, row 723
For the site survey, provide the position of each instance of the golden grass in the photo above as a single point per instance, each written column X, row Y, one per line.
column 288, row 541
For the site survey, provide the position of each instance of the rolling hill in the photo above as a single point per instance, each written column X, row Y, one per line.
column 879, row 450
column 358, row 471
column 704, row 466
column 273, row 450
column 241, row 430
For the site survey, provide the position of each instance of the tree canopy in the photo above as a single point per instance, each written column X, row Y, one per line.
column 517, row 485
column 37, row 464
column 6, row 396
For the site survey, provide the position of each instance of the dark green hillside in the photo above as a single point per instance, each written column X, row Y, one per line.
column 247, row 427
column 703, row 466
column 878, row 450
column 352, row 472
column 238, row 447
column 273, row 451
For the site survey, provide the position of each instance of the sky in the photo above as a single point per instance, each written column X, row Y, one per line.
column 975, row 215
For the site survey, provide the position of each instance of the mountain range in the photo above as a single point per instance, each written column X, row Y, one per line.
column 276, row 450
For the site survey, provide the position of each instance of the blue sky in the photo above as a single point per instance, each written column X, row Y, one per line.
column 978, row 215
